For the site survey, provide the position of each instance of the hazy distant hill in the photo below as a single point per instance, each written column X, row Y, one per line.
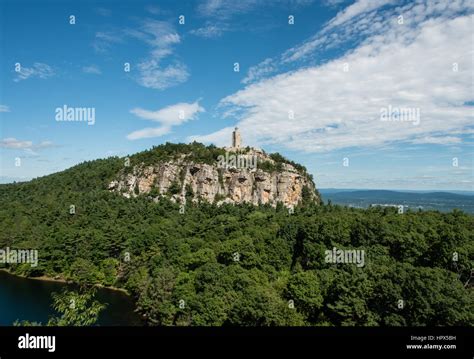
column 442, row 201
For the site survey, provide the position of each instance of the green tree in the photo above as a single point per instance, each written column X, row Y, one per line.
column 76, row 308
column 303, row 288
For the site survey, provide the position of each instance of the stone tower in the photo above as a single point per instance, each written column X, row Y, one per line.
column 236, row 139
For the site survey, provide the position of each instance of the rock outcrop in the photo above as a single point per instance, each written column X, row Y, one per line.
column 250, row 178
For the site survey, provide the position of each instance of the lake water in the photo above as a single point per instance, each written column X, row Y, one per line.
column 29, row 299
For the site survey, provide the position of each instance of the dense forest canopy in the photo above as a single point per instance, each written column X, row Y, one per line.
column 242, row 265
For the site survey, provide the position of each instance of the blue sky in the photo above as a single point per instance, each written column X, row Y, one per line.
column 313, row 90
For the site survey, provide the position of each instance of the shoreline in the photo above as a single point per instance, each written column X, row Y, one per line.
column 64, row 281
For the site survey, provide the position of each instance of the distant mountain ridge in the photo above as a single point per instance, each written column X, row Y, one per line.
column 438, row 200
column 339, row 190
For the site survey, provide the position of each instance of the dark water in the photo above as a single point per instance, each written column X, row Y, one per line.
column 28, row 299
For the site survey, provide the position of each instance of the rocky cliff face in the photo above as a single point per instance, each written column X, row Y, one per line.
column 233, row 179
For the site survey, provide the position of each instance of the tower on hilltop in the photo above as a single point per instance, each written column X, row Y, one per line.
column 236, row 139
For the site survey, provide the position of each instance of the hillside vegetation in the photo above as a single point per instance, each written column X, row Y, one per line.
column 242, row 265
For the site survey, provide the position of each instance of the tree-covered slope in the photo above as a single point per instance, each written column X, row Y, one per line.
column 243, row 265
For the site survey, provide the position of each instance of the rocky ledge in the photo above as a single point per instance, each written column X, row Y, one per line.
column 253, row 177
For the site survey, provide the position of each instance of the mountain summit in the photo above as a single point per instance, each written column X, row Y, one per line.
column 233, row 175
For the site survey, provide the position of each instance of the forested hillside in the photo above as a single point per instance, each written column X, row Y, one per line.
column 243, row 265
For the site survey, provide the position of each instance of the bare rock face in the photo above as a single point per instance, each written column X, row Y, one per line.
column 182, row 180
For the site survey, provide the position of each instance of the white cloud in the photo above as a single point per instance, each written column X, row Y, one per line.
column 333, row 3
column 408, row 66
column 161, row 37
column 45, row 144
column 330, row 36
column 170, row 115
column 159, row 69
column 220, row 138
column 92, row 69
column 13, row 143
column 208, row 31
column 167, row 117
column 351, row 26
column 4, row 108
column 154, row 75
column 443, row 140
column 39, row 70
column 226, row 8
column 158, row 34
column 220, row 12
column 356, row 9
column 104, row 40
column 149, row 133
column 267, row 66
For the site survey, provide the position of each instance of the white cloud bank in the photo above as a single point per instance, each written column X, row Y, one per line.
column 423, row 64
column 167, row 117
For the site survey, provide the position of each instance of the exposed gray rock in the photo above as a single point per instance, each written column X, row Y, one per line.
column 216, row 183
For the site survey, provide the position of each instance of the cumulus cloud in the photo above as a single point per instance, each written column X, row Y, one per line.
column 167, row 117
column 339, row 104
column 38, row 70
